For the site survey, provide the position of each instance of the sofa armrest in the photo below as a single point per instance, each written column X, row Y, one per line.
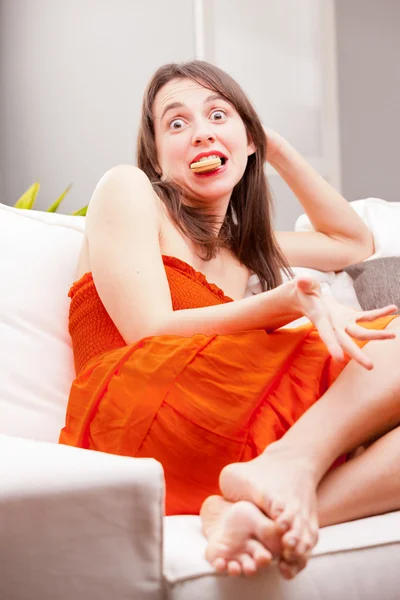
column 77, row 524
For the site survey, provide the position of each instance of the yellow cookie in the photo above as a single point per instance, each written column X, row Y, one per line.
column 206, row 165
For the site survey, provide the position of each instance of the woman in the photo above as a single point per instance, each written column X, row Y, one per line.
column 172, row 366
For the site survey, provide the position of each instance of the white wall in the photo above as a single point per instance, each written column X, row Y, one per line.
column 72, row 75
column 368, row 44
column 282, row 53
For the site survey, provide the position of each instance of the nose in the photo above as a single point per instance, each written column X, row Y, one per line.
column 202, row 135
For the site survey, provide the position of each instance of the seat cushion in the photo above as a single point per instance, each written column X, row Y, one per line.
column 38, row 257
column 352, row 560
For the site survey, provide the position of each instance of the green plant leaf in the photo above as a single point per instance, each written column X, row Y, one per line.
column 81, row 212
column 56, row 204
column 28, row 199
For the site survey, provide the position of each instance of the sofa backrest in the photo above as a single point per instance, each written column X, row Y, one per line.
column 38, row 258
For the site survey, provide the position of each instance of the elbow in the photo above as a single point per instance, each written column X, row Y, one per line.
column 359, row 250
column 159, row 326
column 366, row 246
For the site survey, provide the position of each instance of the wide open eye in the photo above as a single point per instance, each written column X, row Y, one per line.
column 218, row 115
column 176, row 124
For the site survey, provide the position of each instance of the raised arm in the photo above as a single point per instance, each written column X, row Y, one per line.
column 123, row 234
column 340, row 238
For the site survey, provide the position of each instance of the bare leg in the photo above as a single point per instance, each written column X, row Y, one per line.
column 282, row 481
column 366, row 485
column 344, row 494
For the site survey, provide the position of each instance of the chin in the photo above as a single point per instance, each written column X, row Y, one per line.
column 213, row 193
column 206, row 190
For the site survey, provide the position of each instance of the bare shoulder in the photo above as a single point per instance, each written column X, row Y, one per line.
column 123, row 207
column 114, row 198
column 123, row 251
column 119, row 191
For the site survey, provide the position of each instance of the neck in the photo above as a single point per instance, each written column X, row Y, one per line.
column 217, row 208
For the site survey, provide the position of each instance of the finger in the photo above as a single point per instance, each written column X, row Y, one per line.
column 277, row 508
column 314, row 531
column 288, row 570
column 328, row 336
column 305, row 544
column 301, row 564
column 351, row 348
column 285, row 519
column 292, row 538
column 361, row 333
column 371, row 315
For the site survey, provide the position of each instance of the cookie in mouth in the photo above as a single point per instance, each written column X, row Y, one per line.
column 207, row 163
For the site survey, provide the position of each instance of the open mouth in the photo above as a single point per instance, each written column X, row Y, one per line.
column 208, row 164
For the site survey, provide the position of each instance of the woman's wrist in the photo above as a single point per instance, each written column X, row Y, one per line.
column 292, row 299
column 283, row 157
column 285, row 305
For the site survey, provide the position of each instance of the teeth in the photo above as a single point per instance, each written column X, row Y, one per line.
column 207, row 157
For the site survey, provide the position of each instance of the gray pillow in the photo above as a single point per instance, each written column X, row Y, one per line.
column 376, row 282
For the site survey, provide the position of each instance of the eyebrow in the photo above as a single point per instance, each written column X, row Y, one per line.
column 181, row 105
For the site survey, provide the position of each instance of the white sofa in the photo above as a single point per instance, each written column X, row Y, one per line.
column 81, row 525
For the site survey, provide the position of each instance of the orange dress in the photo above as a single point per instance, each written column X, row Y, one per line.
column 196, row 404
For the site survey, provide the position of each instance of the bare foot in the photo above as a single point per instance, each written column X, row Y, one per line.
column 241, row 539
column 282, row 484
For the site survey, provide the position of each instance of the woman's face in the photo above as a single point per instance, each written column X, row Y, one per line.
column 191, row 120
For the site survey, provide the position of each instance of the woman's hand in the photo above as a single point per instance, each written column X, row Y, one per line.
column 275, row 144
column 336, row 322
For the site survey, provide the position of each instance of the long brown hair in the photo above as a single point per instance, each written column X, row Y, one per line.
column 247, row 228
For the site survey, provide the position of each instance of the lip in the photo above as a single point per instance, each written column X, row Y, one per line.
column 210, row 153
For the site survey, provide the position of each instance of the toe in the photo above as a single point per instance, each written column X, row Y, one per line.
column 262, row 558
column 220, row 565
column 259, row 553
column 234, row 568
column 247, row 564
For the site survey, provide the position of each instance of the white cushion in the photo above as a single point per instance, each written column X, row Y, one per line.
column 351, row 560
column 38, row 257
column 382, row 219
column 339, row 285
